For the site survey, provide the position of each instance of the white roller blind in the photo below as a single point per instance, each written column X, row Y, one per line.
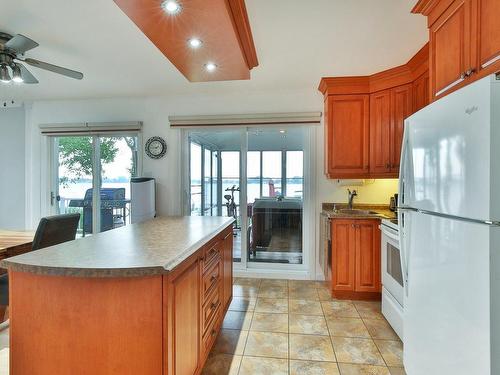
column 90, row 128
column 254, row 119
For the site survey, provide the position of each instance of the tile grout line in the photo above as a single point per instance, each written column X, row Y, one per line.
column 372, row 338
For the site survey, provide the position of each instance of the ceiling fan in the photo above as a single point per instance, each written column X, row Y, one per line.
column 12, row 49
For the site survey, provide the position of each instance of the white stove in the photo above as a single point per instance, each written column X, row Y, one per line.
column 392, row 276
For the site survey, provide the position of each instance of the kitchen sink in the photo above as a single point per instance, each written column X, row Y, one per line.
column 347, row 211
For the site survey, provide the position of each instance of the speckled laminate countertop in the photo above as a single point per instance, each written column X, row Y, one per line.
column 149, row 248
column 382, row 211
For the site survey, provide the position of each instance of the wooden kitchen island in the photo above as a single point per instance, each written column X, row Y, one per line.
column 144, row 299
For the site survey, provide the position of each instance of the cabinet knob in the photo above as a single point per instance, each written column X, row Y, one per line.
column 213, row 333
column 387, row 166
column 213, row 278
column 469, row 72
column 213, row 305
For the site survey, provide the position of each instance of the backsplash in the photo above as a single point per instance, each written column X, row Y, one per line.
column 373, row 191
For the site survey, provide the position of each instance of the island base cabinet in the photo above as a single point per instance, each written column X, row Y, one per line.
column 182, row 309
column 163, row 324
column 81, row 326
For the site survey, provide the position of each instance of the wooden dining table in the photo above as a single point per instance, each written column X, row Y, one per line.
column 14, row 242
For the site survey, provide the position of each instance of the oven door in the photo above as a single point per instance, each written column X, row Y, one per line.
column 392, row 272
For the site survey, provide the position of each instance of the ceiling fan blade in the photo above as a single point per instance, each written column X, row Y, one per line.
column 54, row 68
column 20, row 43
column 26, row 75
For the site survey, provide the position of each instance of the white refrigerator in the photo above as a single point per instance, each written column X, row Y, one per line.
column 450, row 233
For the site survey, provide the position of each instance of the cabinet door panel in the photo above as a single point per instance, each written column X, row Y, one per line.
column 380, row 132
column 450, row 46
column 489, row 32
column 343, row 255
column 348, row 135
column 228, row 269
column 421, row 92
column 185, row 290
column 368, row 267
column 401, row 108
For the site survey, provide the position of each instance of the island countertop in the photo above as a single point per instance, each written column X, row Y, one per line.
column 149, row 248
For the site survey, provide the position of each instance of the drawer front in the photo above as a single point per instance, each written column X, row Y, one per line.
column 209, row 336
column 211, row 308
column 212, row 277
column 210, row 254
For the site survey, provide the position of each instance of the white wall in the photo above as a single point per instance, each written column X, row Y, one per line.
column 12, row 171
column 154, row 113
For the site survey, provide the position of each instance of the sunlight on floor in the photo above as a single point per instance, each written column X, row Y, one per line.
column 4, row 352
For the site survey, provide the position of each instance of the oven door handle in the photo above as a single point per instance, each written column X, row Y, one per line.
column 389, row 234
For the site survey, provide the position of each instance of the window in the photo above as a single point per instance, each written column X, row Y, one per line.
column 195, row 186
column 271, row 174
column 80, row 182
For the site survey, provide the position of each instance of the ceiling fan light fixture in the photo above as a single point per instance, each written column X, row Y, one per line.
column 171, row 6
column 16, row 74
column 4, row 73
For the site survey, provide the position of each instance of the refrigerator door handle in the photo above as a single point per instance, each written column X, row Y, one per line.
column 402, row 169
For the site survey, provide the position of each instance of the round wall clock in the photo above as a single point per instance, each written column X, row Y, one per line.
column 156, row 147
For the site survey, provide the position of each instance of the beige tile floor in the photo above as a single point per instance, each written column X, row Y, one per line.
column 285, row 327
column 276, row 327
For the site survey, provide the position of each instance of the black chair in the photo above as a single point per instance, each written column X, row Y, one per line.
column 52, row 230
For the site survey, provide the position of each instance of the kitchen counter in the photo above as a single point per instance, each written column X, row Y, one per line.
column 150, row 248
column 145, row 299
column 382, row 211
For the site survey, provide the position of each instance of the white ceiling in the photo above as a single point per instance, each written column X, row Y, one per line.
column 297, row 41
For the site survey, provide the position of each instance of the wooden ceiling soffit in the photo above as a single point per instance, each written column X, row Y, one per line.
column 222, row 26
column 389, row 78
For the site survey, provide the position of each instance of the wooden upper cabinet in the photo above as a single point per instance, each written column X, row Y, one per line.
column 364, row 118
column 380, row 132
column 388, row 110
column 489, row 32
column 421, row 92
column 347, row 136
column 402, row 107
column 450, row 46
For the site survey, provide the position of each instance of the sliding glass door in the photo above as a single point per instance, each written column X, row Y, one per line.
column 215, row 178
column 274, row 199
column 256, row 176
column 91, row 176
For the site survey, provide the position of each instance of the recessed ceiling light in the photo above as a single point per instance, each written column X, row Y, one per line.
column 171, row 6
column 195, row 43
column 282, row 131
column 210, row 67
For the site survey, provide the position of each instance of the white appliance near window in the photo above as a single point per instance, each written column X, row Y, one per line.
column 450, row 233
column 143, row 199
column 392, row 276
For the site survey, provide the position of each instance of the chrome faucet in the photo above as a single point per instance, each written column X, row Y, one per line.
column 352, row 194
